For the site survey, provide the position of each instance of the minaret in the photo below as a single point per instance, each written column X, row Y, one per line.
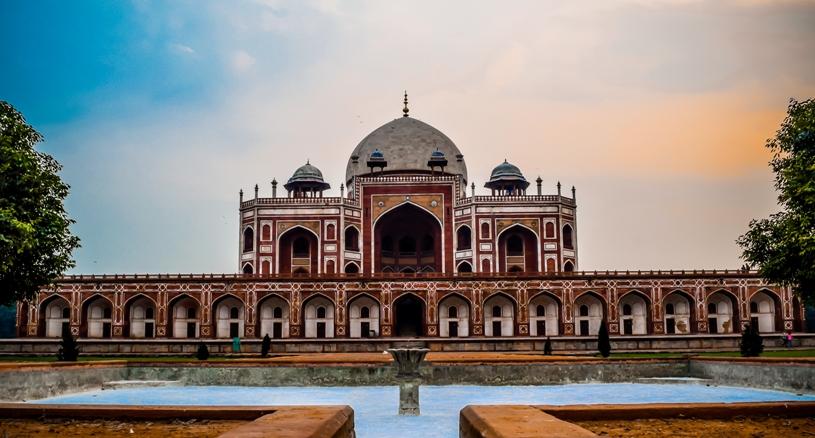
column 558, row 188
column 241, row 193
column 539, row 181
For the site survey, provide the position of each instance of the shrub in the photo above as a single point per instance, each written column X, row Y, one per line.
column 203, row 351
column 547, row 347
column 751, row 344
column 265, row 346
column 603, row 343
column 68, row 347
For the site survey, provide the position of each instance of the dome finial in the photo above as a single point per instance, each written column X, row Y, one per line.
column 308, row 161
column 405, row 111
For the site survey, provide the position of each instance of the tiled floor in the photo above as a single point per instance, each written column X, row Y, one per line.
column 375, row 408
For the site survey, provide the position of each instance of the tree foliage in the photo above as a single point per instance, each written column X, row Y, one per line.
column 783, row 246
column 203, row 351
column 751, row 344
column 35, row 242
column 68, row 347
column 266, row 345
column 603, row 341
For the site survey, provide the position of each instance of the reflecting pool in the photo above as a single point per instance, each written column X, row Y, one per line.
column 375, row 408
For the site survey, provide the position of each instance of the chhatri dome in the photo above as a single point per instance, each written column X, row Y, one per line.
column 507, row 179
column 306, row 179
column 406, row 144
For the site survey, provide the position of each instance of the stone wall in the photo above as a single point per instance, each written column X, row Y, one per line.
column 781, row 374
column 22, row 382
column 561, row 345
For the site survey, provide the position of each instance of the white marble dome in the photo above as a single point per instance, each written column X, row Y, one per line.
column 407, row 144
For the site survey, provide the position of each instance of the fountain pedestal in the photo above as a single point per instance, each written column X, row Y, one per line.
column 409, row 378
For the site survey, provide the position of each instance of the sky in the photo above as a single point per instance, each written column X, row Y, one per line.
column 656, row 111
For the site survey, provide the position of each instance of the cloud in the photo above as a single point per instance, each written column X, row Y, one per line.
column 656, row 110
column 242, row 61
column 182, row 48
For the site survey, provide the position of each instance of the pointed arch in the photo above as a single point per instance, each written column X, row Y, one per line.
column 184, row 320
column 500, row 311
column 679, row 312
column 51, row 316
column 545, row 311
column 288, row 261
column 409, row 315
column 319, row 324
column 635, row 319
column 140, row 321
column 726, row 319
column 454, row 315
column 97, row 320
column 364, row 312
column 273, row 316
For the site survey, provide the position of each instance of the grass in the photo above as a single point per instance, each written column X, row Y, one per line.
column 775, row 353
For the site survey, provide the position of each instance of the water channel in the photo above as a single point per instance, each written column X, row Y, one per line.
column 376, row 407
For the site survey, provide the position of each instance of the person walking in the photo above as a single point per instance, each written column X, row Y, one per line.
column 789, row 339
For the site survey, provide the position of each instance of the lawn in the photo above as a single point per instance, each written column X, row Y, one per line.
column 775, row 353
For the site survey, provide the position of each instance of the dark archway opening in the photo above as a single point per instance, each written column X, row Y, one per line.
column 518, row 250
column 409, row 317
column 407, row 238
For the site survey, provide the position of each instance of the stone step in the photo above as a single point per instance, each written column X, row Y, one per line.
column 675, row 380
column 127, row 384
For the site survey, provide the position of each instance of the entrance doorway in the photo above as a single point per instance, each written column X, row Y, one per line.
column 409, row 317
column 365, row 329
column 233, row 329
column 452, row 329
column 670, row 326
column 541, row 326
column 277, row 330
column 190, row 329
column 496, row 328
column 628, row 327
column 584, row 328
column 321, row 330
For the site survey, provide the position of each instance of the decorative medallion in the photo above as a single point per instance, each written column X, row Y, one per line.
column 117, row 331
column 250, row 331
column 477, row 330
column 380, row 204
column 204, row 331
column 386, row 330
column 523, row 329
column 295, row 331
column 434, row 203
column 161, row 331
column 613, row 328
column 431, row 330
column 341, row 330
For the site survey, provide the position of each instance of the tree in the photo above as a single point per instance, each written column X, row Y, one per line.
column 783, row 246
column 265, row 346
column 68, row 347
column 203, row 351
column 547, row 347
column 603, row 342
column 751, row 344
column 35, row 242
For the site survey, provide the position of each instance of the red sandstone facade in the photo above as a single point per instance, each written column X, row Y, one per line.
column 408, row 253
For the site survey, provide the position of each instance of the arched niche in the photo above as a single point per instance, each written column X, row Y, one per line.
column 407, row 237
column 274, row 317
column 363, row 312
column 55, row 316
column 517, row 250
column 229, row 317
column 765, row 312
column 589, row 312
column 298, row 251
column 678, row 313
column 185, row 317
column 98, row 312
column 454, row 317
column 140, row 312
column 319, row 317
column 499, row 316
column 722, row 313
column 544, row 315
column 633, row 310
